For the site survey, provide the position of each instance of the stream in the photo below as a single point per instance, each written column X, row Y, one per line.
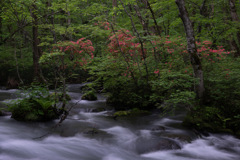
column 91, row 133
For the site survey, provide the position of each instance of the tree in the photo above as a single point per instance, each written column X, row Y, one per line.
column 36, row 49
column 192, row 50
column 235, row 18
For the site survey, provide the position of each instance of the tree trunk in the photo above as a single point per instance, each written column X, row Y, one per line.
column 142, row 20
column 204, row 13
column 1, row 38
column 69, row 34
column 16, row 63
column 158, row 29
column 36, row 42
column 140, row 40
column 114, row 4
column 51, row 11
column 235, row 18
column 192, row 50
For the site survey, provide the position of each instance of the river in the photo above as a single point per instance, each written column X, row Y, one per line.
column 90, row 135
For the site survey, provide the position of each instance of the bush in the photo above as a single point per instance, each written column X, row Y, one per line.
column 221, row 110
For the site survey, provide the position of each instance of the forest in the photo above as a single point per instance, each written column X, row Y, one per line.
column 142, row 54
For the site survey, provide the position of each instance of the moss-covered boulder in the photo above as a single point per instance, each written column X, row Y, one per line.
column 100, row 109
column 59, row 96
column 90, row 96
column 4, row 113
column 131, row 113
column 31, row 109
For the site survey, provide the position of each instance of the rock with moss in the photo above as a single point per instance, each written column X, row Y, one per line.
column 59, row 96
column 100, row 109
column 131, row 113
column 5, row 113
column 90, row 96
column 30, row 109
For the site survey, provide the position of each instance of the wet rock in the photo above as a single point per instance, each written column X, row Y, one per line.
column 158, row 129
column 4, row 113
column 59, row 96
column 90, row 96
column 100, row 109
column 34, row 110
column 135, row 112
column 3, row 88
column 12, row 83
column 92, row 131
column 146, row 145
column 181, row 137
column 96, row 133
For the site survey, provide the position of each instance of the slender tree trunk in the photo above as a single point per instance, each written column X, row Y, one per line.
column 146, row 29
column 139, row 38
column 124, row 56
column 142, row 20
column 49, row 4
column 192, row 50
column 114, row 4
column 204, row 13
column 35, row 45
column 16, row 62
column 158, row 29
column 235, row 18
column 68, row 21
column 1, row 38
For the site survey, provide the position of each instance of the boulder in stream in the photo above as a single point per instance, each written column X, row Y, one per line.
column 146, row 145
column 90, row 96
column 4, row 113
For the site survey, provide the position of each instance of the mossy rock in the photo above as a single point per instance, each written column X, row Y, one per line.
column 59, row 96
column 237, row 133
column 131, row 113
column 5, row 113
column 100, row 109
column 30, row 109
column 90, row 96
column 158, row 129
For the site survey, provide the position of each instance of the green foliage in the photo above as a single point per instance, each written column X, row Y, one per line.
column 36, row 105
column 156, row 72
column 173, row 88
column 222, row 98
column 212, row 119
column 223, row 86
column 136, row 81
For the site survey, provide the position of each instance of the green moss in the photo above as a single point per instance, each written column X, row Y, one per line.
column 30, row 109
column 59, row 96
column 132, row 112
column 89, row 96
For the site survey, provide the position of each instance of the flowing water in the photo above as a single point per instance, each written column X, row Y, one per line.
column 90, row 135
